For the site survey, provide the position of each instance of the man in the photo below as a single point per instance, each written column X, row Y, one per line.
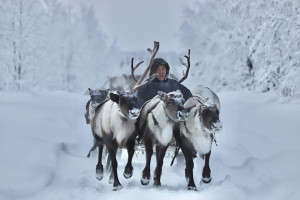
column 161, row 83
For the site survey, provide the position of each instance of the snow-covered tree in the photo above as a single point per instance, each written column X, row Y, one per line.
column 245, row 44
column 20, row 43
column 45, row 45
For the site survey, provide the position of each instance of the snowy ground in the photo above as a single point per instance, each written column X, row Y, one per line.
column 44, row 141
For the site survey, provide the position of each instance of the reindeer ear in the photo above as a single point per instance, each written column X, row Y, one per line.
column 114, row 97
column 162, row 95
column 90, row 91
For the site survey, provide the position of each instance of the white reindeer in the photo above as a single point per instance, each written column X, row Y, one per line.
column 114, row 124
column 198, row 131
column 158, row 117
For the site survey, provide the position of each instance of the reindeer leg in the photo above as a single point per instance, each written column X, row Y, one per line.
column 96, row 144
column 160, row 159
column 128, row 171
column 109, row 170
column 149, row 151
column 112, row 153
column 187, row 151
column 206, row 177
column 99, row 166
column 157, row 149
column 189, row 175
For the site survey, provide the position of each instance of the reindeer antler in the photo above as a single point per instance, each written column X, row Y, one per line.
column 134, row 68
column 139, row 83
column 188, row 65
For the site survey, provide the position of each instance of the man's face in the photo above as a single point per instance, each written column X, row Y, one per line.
column 161, row 72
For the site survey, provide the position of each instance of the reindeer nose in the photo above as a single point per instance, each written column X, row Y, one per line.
column 182, row 115
column 217, row 126
column 134, row 113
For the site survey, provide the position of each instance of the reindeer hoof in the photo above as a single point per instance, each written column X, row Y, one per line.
column 193, row 188
column 144, row 181
column 99, row 174
column 206, row 180
column 127, row 173
column 127, row 176
column 118, row 187
column 156, row 183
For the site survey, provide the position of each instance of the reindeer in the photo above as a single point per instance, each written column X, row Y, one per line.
column 98, row 96
column 114, row 125
column 198, row 131
column 159, row 116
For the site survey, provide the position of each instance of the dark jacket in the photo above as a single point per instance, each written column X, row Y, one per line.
column 150, row 90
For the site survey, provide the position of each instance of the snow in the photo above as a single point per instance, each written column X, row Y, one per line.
column 44, row 141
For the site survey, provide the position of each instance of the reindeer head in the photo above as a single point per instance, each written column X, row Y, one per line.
column 98, row 96
column 207, row 114
column 127, row 102
column 210, row 117
column 173, row 105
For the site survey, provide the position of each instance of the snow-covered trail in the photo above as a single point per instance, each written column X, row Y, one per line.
column 44, row 141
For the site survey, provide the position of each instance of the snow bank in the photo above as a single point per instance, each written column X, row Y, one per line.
column 44, row 141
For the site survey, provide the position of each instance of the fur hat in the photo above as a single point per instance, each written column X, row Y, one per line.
column 156, row 63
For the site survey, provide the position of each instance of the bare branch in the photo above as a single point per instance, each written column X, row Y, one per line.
column 188, row 65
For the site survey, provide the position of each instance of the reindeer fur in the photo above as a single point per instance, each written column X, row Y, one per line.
column 112, row 122
column 193, row 129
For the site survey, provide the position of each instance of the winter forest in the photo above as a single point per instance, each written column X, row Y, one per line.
column 236, row 44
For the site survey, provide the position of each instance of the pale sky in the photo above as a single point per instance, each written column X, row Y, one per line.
column 135, row 24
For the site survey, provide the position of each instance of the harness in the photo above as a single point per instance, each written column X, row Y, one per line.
column 121, row 114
